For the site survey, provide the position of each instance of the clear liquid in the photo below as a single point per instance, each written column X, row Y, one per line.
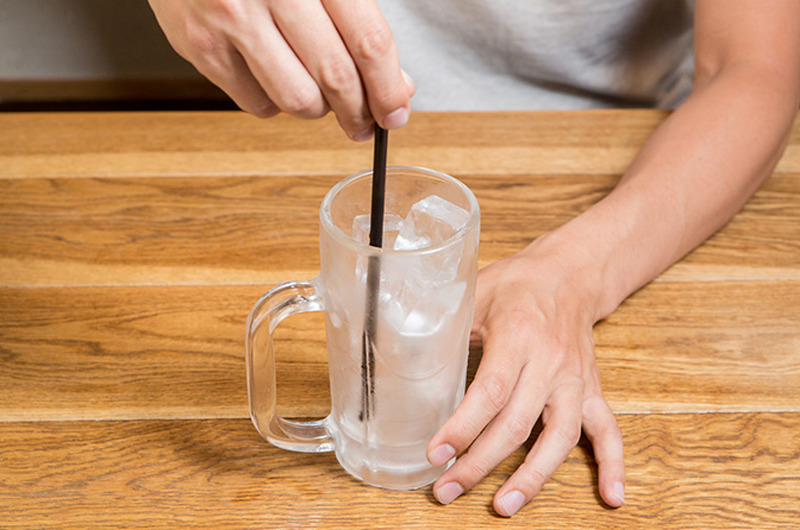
column 422, row 316
column 386, row 465
column 419, row 379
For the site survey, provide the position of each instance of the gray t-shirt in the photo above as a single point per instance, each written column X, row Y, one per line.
column 544, row 54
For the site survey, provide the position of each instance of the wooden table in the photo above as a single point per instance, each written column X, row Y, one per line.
column 132, row 247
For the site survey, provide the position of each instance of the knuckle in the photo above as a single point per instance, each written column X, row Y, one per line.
column 304, row 102
column 520, row 317
column 355, row 126
column 564, row 359
column 337, row 75
column 519, row 429
column 535, row 478
column 374, row 43
column 568, row 434
column 205, row 43
column 361, row 122
column 474, row 471
column 230, row 13
column 521, row 321
column 495, row 390
column 602, row 418
column 610, row 430
column 560, row 353
column 202, row 46
column 228, row 8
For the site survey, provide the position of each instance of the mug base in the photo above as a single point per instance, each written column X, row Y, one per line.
column 394, row 477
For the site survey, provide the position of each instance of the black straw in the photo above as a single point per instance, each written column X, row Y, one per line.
column 378, row 187
column 373, row 273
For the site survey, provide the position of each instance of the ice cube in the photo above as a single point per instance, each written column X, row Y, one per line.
column 430, row 221
column 416, row 333
column 415, row 312
column 411, row 321
column 361, row 223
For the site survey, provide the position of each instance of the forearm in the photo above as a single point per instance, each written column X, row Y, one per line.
column 696, row 171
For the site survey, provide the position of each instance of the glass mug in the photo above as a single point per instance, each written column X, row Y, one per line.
column 397, row 361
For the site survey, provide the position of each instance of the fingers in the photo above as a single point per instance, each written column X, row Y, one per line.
column 498, row 413
column 488, row 394
column 340, row 56
column 302, row 57
column 505, row 433
column 327, row 61
column 504, row 393
column 275, row 64
column 233, row 75
column 559, row 436
column 538, row 359
column 197, row 34
column 371, row 45
column 604, row 433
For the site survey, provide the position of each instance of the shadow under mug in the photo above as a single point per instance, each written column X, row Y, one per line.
column 393, row 387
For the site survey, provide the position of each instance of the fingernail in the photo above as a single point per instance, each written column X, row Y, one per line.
column 512, row 502
column 396, row 119
column 441, row 455
column 364, row 135
column 449, row 492
column 619, row 491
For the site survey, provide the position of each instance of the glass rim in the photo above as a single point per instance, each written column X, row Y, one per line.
column 327, row 224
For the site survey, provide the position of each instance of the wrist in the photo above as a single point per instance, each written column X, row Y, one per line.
column 585, row 267
column 572, row 271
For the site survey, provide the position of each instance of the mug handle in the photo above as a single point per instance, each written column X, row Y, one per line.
column 278, row 303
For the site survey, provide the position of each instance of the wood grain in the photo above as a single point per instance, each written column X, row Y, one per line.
column 144, row 353
column 132, row 246
column 703, row 346
column 134, row 231
column 178, row 352
column 233, row 143
column 684, row 471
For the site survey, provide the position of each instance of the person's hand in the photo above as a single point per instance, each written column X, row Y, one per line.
column 302, row 57
column 535, row 322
